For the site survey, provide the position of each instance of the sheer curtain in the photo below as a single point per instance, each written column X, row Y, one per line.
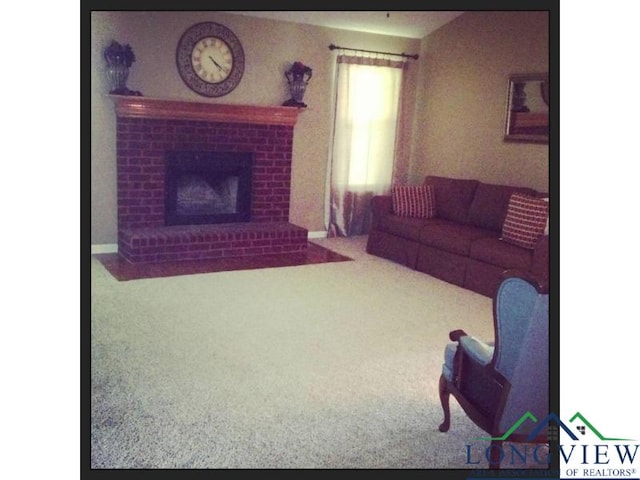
column 363, row 150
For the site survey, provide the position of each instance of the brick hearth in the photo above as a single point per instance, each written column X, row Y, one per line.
column 198, row 242
column 148, row 128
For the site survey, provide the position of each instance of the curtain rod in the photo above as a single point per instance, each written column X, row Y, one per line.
column 405, row 55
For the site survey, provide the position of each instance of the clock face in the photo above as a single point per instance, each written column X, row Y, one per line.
column 210, row 59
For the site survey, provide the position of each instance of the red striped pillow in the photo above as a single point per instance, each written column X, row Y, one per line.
column 525, row 221
column 417, row 201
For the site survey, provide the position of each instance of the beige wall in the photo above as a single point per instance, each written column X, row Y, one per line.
column 465, row 67
column 269, row 47
column 456, row 114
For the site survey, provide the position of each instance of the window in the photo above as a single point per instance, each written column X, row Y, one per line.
column 364, row 139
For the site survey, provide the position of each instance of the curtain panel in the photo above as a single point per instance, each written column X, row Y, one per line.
column 365, row 132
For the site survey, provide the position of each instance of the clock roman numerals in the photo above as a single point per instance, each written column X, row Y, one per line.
column 212, row 60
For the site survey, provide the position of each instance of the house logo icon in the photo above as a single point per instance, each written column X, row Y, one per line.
column 582, row 429
column 547, row 423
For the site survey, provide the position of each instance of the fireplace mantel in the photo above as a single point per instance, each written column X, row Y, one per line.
column 146, row 107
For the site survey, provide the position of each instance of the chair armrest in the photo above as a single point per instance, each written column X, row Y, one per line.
column 472, row 378
column 455, row 335
column 479, row 351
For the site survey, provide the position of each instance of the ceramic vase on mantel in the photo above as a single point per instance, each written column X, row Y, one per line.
column 117, row 74
column 119, row 59
column 298, row 78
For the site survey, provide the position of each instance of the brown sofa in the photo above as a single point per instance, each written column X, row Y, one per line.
column 461, row 244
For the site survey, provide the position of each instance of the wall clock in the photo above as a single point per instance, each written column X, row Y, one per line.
column 210, row 59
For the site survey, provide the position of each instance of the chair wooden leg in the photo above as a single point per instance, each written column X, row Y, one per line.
column 495, row 455
column 444, row 401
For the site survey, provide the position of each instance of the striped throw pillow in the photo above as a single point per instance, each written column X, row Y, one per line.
column 525, row 221
column 417, row 201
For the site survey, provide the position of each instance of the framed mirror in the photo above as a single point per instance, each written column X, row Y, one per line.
column 527, row 118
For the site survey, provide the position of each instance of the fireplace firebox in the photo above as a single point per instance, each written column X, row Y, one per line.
column 207, row 187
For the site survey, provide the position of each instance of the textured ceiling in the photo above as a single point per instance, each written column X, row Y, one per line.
column 414, row 24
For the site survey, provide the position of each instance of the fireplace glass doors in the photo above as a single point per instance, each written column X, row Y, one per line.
column 207, row 187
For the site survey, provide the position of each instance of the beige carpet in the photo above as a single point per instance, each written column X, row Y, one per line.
column 332, row 365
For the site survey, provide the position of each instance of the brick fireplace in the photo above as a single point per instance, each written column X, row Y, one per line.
column 152, row 131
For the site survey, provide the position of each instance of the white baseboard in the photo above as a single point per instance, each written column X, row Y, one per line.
column 320, row 234
column 104, row 248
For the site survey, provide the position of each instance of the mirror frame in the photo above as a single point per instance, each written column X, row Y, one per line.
column 536, row 128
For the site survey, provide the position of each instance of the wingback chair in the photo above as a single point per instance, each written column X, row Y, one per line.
column 498, row 382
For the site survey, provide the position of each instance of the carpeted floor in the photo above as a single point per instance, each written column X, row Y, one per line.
column 330, row 365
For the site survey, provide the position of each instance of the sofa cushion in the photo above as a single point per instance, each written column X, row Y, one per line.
column 525, row 221
column 446, row 266
column 501, row 254
column 417, row 201
column 452, row 236
column 453, row 196
column 490, row 203
column 404, row 227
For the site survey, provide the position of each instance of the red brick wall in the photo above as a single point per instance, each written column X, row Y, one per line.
column 141, row 147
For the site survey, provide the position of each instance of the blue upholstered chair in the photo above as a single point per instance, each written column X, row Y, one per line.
column 497, row 382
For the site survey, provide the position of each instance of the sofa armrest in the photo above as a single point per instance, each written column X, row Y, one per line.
column 381, row 205
column 540, row 267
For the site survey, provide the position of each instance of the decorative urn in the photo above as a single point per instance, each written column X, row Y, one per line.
column 119, row 59
column 297, row 77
